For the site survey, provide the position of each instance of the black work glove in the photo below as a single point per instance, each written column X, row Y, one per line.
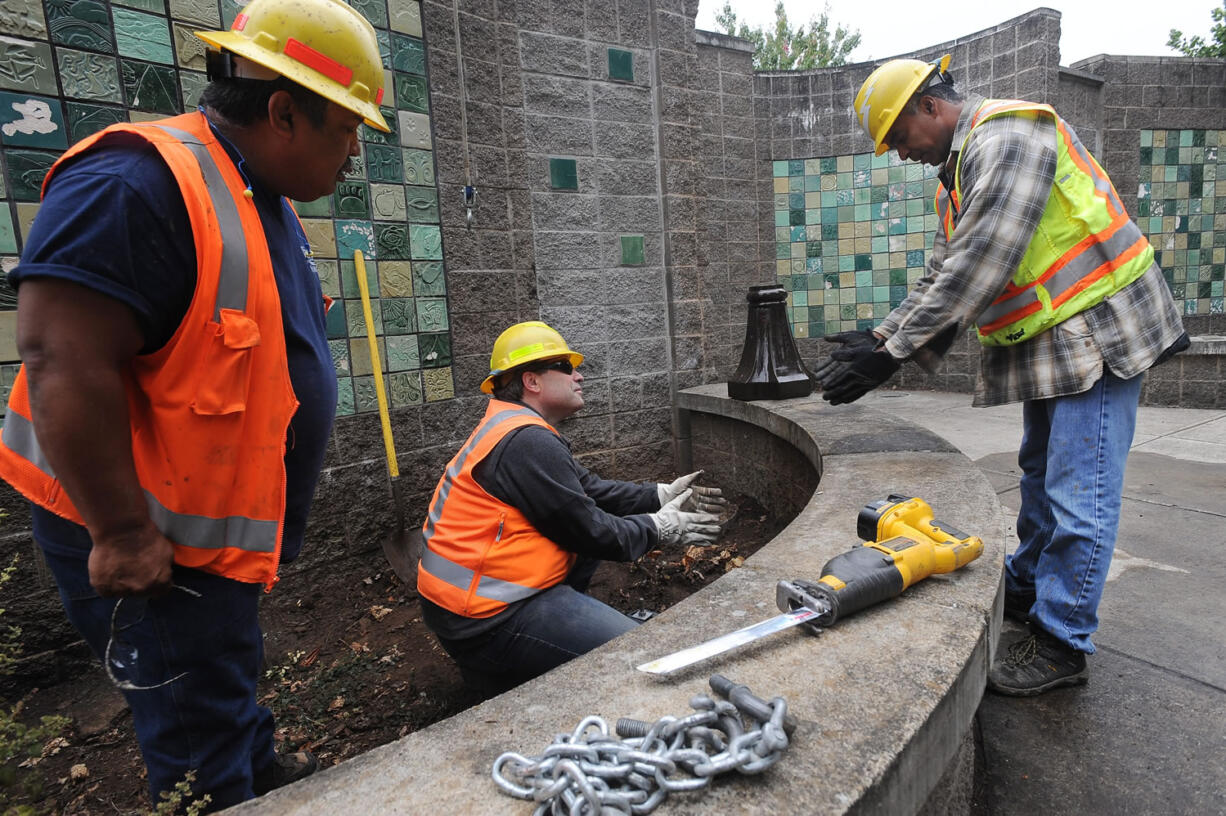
column 847, row 341
column 863, row 369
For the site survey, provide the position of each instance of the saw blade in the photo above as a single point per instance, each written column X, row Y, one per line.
column 687, row 657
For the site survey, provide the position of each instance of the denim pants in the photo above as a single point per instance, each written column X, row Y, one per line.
column 546, row 630
column 207, row 720
column 1072, row 457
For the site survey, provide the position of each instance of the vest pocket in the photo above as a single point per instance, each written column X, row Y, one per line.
column 226, row 373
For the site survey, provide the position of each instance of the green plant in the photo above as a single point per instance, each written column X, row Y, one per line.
column 171, row 803
column 1196, row 46
column 19, row 741
column 786, row 48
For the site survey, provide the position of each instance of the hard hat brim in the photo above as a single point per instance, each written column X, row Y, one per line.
column 487, row 385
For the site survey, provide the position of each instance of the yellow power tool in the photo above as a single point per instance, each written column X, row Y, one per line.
column 903, row 544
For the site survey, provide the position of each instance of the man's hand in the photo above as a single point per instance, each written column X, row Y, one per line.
column 131, row 564
column 676, row 525
column 847, row 341
column 702, row 499
column 862, row 370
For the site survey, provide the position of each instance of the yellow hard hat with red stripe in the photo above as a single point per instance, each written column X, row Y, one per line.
column 886, row 91
column 323, row 45
column 525, row 343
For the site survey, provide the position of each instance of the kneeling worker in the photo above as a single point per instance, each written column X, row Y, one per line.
column 517, row 526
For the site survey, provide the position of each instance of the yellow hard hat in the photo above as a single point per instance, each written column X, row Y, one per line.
column 523, row 343
column 323, row 45
column 887, row 90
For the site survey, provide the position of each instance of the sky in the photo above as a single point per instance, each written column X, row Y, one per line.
column 891, row 27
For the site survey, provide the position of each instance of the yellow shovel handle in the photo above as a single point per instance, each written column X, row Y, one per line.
column 380, row 393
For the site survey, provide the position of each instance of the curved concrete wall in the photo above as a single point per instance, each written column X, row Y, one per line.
column 883, row 700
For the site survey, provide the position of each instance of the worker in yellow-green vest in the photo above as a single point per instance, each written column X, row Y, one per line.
column 1036, row 251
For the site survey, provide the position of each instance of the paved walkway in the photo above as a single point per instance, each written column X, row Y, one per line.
column 1148, row 734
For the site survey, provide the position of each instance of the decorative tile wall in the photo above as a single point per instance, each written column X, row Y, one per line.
column 70, row 69
column 851, row 236
column 1181, row 206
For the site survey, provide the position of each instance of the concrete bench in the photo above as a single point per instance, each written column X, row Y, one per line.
column 884, row 701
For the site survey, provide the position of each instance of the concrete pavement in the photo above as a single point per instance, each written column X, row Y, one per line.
column 1148, row 734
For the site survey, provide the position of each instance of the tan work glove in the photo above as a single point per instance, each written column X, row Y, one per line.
column 677, row 525
column 702, row 499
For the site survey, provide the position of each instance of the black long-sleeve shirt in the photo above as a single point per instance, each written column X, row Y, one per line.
column 533, row 470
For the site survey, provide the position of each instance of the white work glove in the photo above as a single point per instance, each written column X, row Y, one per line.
column 677, row 525
column 702, row 499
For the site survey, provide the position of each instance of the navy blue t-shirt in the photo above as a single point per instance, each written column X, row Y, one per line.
column 114, row 221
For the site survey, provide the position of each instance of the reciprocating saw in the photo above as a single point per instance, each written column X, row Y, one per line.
column 902, row 545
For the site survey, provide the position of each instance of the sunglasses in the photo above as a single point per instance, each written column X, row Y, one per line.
column 121, row 654
column 565, row 366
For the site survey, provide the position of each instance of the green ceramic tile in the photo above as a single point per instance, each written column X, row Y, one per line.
column 428, row 278
column 156, row 6
column 563, row 174
column 202, row 12
column 408, row 54
column 336, row 323
column 8, row 234
column 425, row 242
column 356, row 327
column 319, row 208
column 373, row 136
column 432, row 314
column 439, row 384
column 230, row 10
column 412, row 93
column 193, row 84
column 435, row 350
column 86, row 119
column 352, row 200
column 340, row 356
column 27, row 168
column 384, row 163
column 392, row 241
column 373, row 10
column 142, row 36
column 32, row 121
column 418, row 166
column 354, row 235
column 148, row 87
column 621, row 65
column 27, row 67
column 632, row 250
column 404, row 387
column 399, row 316
column 421, row 204
column 387, row 202
column 344, row 396
column 402, row 351
column 349, row 279
column 86, row 75
column 80, row 24
column 395, row 279
column 357, row 165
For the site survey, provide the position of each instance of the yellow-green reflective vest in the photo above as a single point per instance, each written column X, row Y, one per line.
column 1084, row 249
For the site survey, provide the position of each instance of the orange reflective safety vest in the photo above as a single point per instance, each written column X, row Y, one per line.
column 210, row 410
column 481, row 553
column 1085, row 247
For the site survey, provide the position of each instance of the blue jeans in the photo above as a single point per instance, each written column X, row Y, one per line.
column 207, row 720
column 547, row 630
column 1072, row 458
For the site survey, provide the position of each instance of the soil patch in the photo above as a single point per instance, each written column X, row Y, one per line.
column 349, row 667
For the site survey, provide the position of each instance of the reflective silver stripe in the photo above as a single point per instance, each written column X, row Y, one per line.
column 457, row 465
column 504, row 591
column 447, row 571
column 232, row 278
column 1101, row 183
column 1090, row 259
column 19, row 437
column 202, row 532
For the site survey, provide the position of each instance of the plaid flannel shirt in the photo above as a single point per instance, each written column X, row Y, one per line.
column 1007, row 172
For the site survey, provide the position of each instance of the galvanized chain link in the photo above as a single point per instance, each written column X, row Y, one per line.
column 590, row 773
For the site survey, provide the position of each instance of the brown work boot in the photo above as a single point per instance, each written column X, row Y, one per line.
column 284, row 769
column 1036, row 663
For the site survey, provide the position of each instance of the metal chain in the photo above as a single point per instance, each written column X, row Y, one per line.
column 590, row 773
